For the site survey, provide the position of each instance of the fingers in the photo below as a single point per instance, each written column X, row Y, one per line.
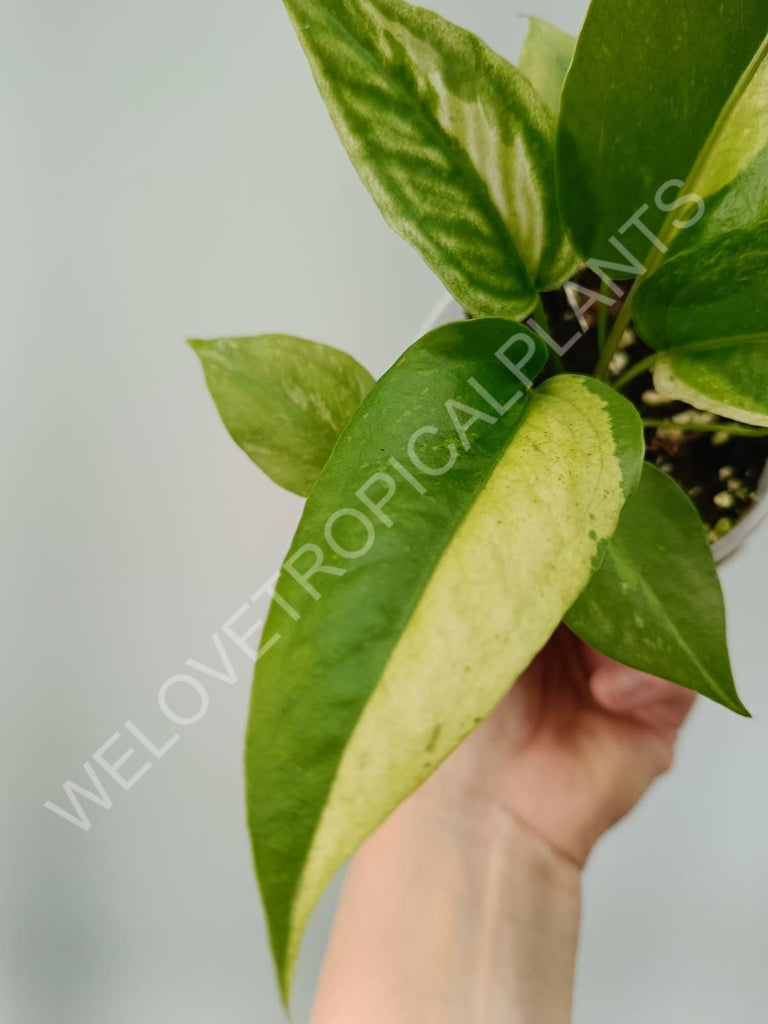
column 619, row 688
column 626, row 691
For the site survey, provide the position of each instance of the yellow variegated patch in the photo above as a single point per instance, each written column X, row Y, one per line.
column 518, row 558
column 452, row 142
column 735, row 387
column 515, row 565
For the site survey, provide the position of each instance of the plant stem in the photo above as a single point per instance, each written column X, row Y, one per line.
column 672, row 224
column 620, row 325
column 540, row 316
column 737, row 429
column 636, row 370
column 602, row 316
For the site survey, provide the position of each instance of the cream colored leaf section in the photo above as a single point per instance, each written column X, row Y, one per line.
column 741, row 132
column 669, row 383
column 452, row 142
column 500, row 141
column 503, row 161
column 516, row 564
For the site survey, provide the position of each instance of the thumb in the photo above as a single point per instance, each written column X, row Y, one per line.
column 620, row 688
column 623, row 690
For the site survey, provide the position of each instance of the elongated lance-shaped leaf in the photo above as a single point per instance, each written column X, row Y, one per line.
column 643, row 107
column 655, row 603
column 545, row 58
column 452, row 142
column 708, row 306
column 456, row 521
column 284, row 400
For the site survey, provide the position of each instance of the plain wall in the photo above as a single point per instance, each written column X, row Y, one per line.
column 169, row 171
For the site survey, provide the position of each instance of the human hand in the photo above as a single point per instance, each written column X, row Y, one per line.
column 569, row 751
column 464, row 905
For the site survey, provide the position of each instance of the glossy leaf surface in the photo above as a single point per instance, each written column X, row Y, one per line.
column 709, row 307
column 643, row 105
column 452, row 142
column 476, row 540
column 729, row 379
column 284, row 400
column 655, row 603
column 733, row 174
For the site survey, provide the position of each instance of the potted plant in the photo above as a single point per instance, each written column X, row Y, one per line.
column 567, row 449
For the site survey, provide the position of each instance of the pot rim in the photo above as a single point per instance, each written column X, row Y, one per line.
column 447, row 309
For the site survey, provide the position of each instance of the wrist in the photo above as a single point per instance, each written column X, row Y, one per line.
column 474, row 812
column 463, row 912
column 486, row 842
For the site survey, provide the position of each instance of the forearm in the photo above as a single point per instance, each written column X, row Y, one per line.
column 453, row 916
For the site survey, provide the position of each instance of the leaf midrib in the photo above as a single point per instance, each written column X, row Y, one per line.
column 427, row 115
column 619, row 550
column 409, row 608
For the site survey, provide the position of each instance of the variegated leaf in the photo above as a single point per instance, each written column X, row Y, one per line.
column 661, row 99
column 707, row 307
column 452, row 142
column 732, row 177
column 729, row 379
column 456, row 521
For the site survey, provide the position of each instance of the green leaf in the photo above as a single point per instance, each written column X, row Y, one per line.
column 655, row 602
column 452, row 142
column 545, row 58
column 284, row 400
column 717, row 290
column 709, row 307
column 733, row 170
column 653, row 88
column 742, row 203
column 387, row 657
column 729, row 379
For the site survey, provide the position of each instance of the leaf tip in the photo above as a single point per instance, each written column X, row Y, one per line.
column 285, row 966
column 729, row 699
column 740, row 709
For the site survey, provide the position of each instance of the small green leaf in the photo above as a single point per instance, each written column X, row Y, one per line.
column 653, row 89
column 655, row 602
column 709, row 307
column 729, row 379
column 284, row 400
column 545, row 58
column 439, row 550
column 452, row 142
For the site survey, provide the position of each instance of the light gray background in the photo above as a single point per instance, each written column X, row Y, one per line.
column 169, row 171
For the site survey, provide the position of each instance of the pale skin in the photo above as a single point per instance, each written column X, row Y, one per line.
column 464, row 907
